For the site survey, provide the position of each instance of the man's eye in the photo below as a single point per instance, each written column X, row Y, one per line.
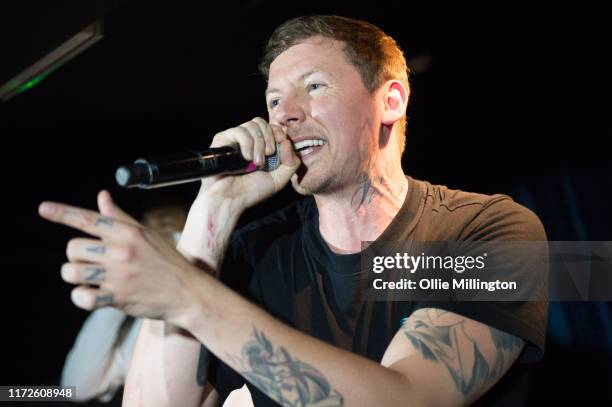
column 315, row 86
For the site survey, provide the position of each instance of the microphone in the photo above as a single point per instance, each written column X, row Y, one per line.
column 189, row 166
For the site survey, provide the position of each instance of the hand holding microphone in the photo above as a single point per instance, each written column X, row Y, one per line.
column 256, row 139
column 229, row 186
column 254, row 145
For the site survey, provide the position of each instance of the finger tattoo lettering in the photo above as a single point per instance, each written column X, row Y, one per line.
column 94, row 274
column 103, row 300
column 96, row 249
column 104, row 221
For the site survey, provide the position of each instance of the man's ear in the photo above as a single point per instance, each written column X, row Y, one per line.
column 395, row 98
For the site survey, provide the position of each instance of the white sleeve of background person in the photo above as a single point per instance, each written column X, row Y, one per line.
column 97, row 364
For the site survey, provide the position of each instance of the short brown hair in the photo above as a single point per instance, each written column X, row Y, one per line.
column 374, row 54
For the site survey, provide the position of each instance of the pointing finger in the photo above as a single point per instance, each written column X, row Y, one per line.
column 85, row 220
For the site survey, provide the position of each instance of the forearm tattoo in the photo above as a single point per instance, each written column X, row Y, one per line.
column 448, row 340
column 283, row 378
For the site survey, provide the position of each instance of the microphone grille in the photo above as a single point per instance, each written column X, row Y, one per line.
column 272, row 161
column 122, row 176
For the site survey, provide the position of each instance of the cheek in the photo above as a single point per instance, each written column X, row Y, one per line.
column 340, row 117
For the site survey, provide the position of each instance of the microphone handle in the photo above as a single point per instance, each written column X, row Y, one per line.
column 188, row 166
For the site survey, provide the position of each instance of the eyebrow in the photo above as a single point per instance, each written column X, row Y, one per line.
column 301, row 78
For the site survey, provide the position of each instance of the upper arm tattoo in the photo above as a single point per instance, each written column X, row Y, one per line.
column 284, row 378
column 471, row 357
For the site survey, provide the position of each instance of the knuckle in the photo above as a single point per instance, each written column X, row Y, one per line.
column 217, row 140
column 242, row 130
column 247, row 141
column 86, row 220
column 254, row 130
column 126, row 253
column 110, row 288
column 130, row 275
column 135, row 233
column 269, row 135
column 250, row 125
column 260, row 123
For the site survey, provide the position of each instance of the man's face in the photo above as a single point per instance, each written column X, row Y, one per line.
column 318, row 97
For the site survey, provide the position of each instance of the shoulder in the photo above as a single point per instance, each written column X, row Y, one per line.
column 477, row 216
column 442, row 198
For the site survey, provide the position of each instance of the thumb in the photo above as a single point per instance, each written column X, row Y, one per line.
column 290, row 162
column 109, row 208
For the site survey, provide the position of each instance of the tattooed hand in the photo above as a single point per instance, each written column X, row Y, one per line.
column 128, row 266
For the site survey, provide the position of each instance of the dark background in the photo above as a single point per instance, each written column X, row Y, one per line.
column 506, row 98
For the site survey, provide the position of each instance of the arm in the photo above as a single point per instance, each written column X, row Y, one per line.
column 146, row 277
column 437, row 358
column 164, row 366
column 141, row 274
column 90, row 365
column 463, row 357
column 213, row 216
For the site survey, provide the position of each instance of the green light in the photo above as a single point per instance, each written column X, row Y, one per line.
column 33, row 82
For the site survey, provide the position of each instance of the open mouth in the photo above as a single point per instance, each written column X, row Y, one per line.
column 308, row 147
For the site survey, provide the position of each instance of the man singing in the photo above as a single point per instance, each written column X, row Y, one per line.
column 277, row 305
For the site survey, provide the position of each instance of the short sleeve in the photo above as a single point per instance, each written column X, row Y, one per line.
column 505, row 220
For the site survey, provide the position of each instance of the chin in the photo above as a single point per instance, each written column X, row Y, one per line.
column 310, row 184
column 298, row 185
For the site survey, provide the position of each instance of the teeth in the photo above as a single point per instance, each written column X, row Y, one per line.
column 307, row 143
column 305, row 151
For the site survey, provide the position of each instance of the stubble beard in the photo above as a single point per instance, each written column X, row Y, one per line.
column 311, row 184
column 327, row 180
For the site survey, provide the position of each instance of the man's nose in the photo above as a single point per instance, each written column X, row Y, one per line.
column 289, row 112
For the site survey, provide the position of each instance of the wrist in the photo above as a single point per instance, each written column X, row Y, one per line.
column 222, row 206
column 193, row 312
column 207, row 230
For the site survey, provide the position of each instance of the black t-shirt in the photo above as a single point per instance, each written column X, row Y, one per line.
column 283, row 264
